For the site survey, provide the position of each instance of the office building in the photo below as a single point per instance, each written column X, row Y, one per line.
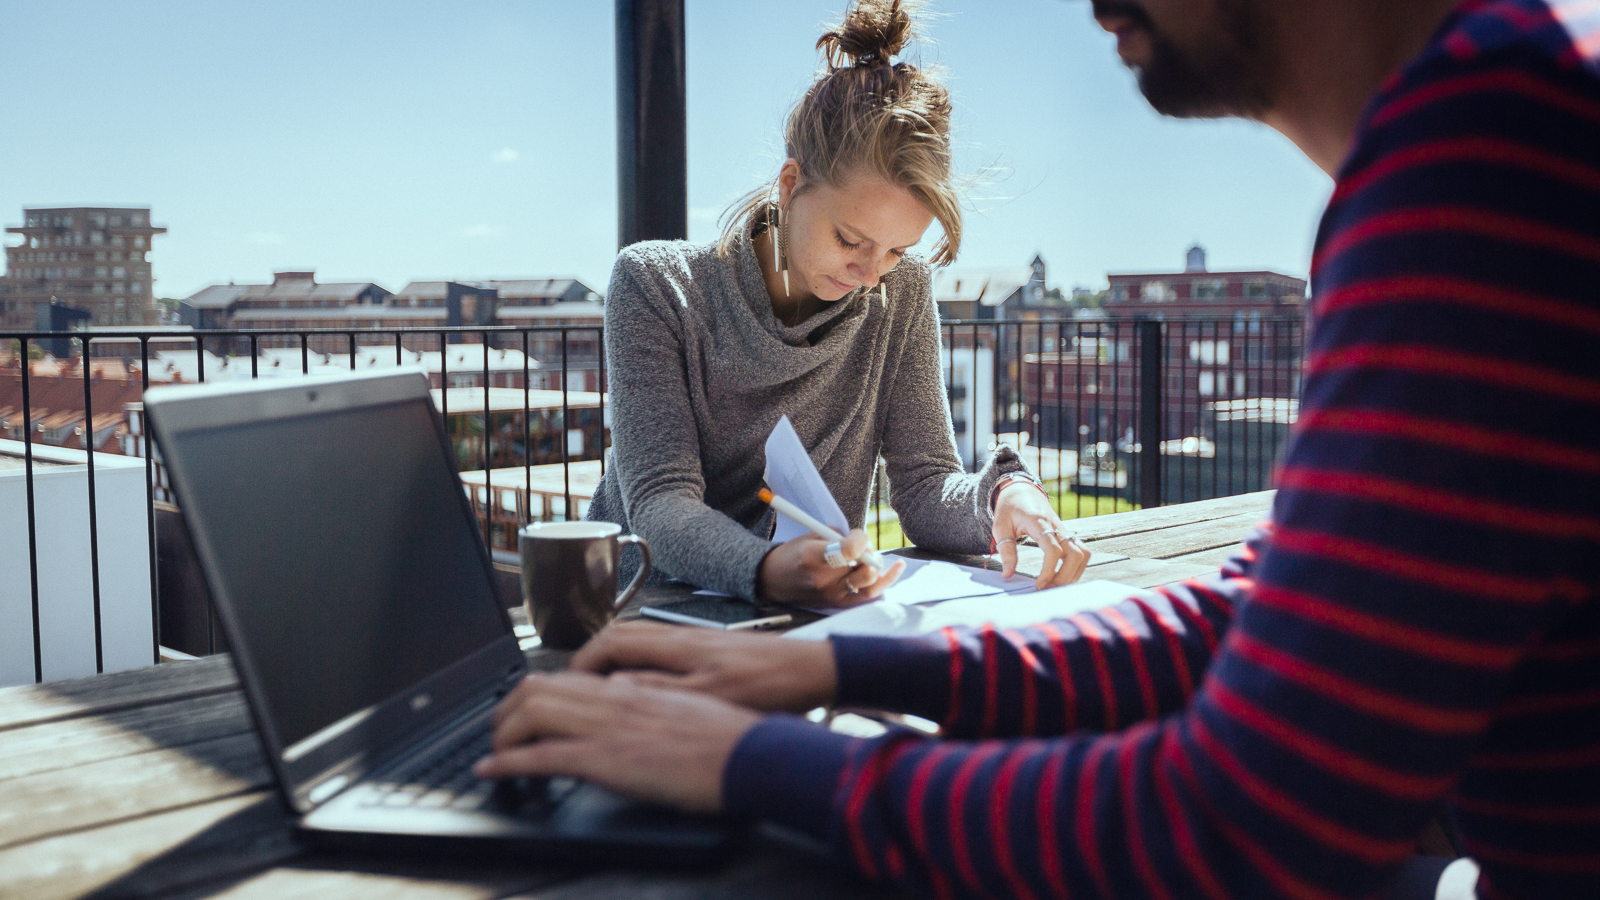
column 90, row 262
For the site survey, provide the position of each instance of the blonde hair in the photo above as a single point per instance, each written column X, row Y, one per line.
column 865, row 113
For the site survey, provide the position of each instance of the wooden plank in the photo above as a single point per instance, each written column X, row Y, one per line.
column 1182, row 539
column 1213, row 557
column 98, row 694
column 63, row 800
column 65, row 743
column 1093, row 528
column 775, row 867
column 1147, row 573
column 155, row 855
column 386, row 878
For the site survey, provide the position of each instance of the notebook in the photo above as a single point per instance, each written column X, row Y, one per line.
column 357, row 595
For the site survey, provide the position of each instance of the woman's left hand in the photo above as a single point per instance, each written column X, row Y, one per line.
column 1022, row 510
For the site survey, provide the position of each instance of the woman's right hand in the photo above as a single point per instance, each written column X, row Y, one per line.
column 797, row 573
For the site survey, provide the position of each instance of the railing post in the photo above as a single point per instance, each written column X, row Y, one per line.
column 1148, row 435
column 652, row 122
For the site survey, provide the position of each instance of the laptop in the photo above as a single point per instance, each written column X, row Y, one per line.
column 357, row 595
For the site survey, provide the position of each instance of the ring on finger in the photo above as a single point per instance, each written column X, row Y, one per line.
column 1005, row 541
column 834, row 556
column 850, row 587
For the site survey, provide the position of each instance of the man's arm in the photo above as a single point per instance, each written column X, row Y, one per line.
column 1102, row 669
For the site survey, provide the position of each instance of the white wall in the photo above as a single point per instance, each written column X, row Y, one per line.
column 977, row 408
column 66, row 591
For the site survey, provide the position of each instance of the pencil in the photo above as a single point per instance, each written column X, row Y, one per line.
column 871, row 557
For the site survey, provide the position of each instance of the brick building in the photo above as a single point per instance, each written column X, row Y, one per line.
column 89, row 259
column 1229, row 337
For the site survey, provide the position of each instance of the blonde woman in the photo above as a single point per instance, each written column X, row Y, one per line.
column 811, row 306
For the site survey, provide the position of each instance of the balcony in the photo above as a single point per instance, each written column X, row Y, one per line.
column 1216, row 399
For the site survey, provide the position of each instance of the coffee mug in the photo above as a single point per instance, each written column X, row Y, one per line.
column 569, row 578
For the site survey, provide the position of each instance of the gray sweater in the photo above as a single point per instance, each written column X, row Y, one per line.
column 700, row 369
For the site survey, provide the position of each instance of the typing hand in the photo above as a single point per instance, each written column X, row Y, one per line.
column 759, row 671
column 1023, row 511
column 798, row 573
column 658, row 745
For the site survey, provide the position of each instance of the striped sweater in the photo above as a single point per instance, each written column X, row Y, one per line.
column 1416, row 625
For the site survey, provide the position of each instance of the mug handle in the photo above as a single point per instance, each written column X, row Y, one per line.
column 639, row 576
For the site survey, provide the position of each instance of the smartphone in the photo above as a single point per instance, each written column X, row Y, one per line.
column 716, row 612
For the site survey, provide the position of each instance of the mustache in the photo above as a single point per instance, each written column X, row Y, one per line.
column 1125, row 9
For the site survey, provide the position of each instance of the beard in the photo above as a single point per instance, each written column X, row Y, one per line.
column 1232, row 72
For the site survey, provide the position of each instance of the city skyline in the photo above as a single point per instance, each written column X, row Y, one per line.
column 403, row 142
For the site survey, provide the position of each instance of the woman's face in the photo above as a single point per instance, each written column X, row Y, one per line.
column 848, row 235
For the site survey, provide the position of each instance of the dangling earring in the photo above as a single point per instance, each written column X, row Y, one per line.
column 778, row 240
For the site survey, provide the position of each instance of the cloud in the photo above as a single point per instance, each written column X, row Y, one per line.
column 264, row 238
column 482, row 231
column 506, row 155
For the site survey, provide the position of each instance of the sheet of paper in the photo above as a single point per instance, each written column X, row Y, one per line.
column 885, row 617
column 791, row 475
column 930, row 581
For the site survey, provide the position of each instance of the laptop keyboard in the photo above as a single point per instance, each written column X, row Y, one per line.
column 445, row 779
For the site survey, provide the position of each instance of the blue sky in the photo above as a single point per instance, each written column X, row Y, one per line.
column 399, row 140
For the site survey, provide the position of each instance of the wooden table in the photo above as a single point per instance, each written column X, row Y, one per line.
column 151, row 783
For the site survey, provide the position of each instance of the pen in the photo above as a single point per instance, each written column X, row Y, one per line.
column 871, row 557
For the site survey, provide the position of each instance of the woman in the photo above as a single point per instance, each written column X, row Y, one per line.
column 810, row 307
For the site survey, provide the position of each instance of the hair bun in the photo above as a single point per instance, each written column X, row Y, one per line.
column 872, row 32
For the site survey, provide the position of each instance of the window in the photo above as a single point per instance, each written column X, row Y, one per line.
column 138, row 218
column 1157, row 292
column 96, row 238
column 116, row 240
column 135, row 288
column 100, row 271
column 118, row 272
column 116, row 221
column 1256, row 290
column 1209, row 352
column 99, row 220
column 99, row 288
column 138, row 241
column 1210, row 289
column 118, row 287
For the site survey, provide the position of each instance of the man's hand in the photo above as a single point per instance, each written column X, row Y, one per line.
column 754, row 670
column 662, row 746
column 1022, row 511
column 796, row 572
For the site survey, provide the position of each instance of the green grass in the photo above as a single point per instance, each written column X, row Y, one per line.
column 886, row 533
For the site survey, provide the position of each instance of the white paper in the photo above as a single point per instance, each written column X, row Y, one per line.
column 885, row 617
column 791, row 475
column 930, row 581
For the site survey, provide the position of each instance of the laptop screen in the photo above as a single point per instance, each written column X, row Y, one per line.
column 336, row 536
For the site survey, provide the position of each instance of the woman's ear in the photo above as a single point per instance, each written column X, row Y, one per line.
column 788, row 180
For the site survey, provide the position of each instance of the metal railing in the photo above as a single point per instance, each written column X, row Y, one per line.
column 1215, row 395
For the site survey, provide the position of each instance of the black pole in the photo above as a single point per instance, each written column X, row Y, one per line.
column 1150, row 413
column 652, row 122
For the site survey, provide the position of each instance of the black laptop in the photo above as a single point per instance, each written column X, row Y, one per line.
column 357, row 596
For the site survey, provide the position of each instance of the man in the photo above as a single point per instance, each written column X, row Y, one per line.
column 1418, row 622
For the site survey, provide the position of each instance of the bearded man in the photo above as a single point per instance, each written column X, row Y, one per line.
column 1417, row 624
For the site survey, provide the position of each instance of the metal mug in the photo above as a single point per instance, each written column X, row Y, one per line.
column 569, row 578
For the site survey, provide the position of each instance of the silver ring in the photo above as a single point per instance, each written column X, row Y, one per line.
column 834, row 556
column 850, row 587
column 1050, row 531
column 1005, row 541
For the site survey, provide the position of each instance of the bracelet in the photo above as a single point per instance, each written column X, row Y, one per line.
column 1013, row 478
